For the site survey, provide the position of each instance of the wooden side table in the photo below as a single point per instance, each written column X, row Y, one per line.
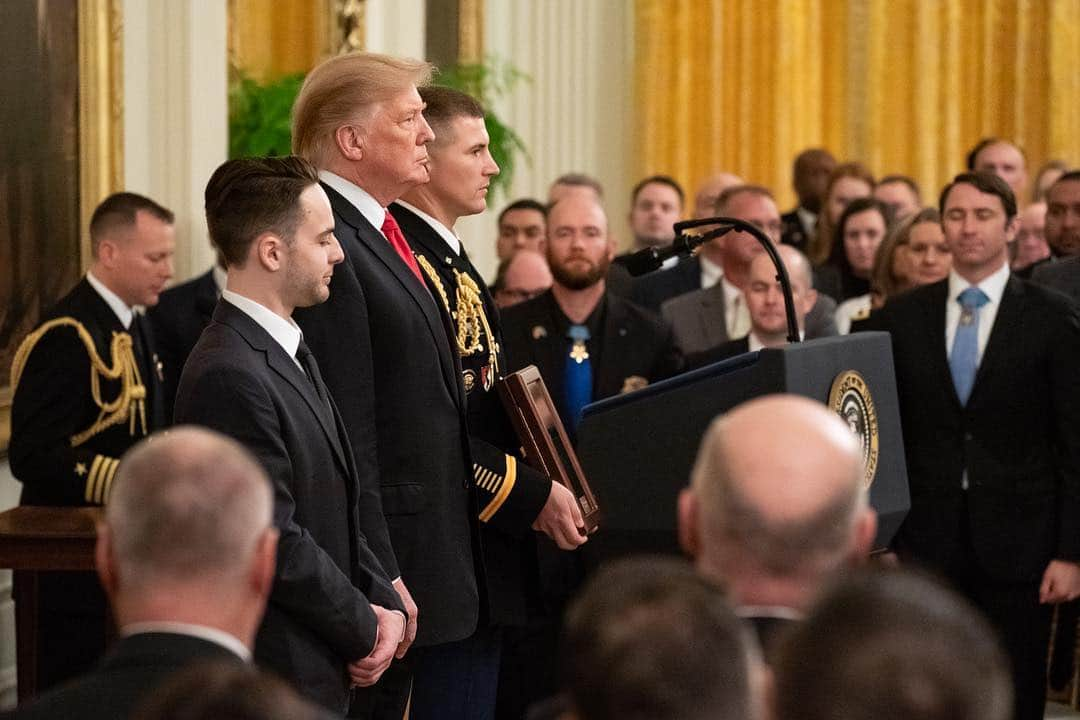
column 33, row 540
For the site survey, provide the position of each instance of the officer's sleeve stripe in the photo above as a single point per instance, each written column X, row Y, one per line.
column 106, row 486
column 504, row 491
column 95, row 468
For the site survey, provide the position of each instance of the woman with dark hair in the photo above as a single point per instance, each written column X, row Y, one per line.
column 862, row 227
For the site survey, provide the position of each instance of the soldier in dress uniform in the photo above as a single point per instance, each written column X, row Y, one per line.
column 87, row 386
column 461, row 171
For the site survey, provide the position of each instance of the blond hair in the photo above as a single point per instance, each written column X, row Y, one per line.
column 347, row 89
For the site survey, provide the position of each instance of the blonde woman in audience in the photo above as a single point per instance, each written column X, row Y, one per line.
column 914, row 253
column 847, row 182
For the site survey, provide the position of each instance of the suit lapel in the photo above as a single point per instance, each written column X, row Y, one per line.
column 1008, row 318
column 617, row 344
column 367, row 235
column 934, row 327
column 712, row 317
column 550, row 347
column 284, row 366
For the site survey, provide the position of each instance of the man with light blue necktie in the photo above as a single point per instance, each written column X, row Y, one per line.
column 990, row 408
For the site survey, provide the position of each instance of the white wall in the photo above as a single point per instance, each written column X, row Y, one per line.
column 176, row 112
column 575, row 114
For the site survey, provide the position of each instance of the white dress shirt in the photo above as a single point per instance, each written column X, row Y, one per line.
column 285, row 332
column 994, row 287
column 444, row 232
column 710, row 272
column 120, row 308
column 736, row 314
column 218, row 637
column 358, row 197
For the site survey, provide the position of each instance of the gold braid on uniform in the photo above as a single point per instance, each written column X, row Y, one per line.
column 468, row 313
column 129, row 404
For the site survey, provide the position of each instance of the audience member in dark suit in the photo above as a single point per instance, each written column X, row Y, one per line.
column 186, row 555
column 179, row 319
column 810, row 178
column 87, row 386
column 461, row 169
column 650, row 291
column 768, row 319
column 989, row 400
column 522, row 225
column 892, row 643
column 774, row 521
column 588, row 345
column 386, row 353
column 1062, row 235
column 648, row 637
column 656, row 204
column 718, row 312
column 333, row 620
column 621, row 346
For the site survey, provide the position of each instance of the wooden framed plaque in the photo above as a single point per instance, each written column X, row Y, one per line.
column 543, row 438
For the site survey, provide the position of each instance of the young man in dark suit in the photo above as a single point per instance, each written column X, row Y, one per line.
column 388, row 358
column 1063, row 236
column 87, row 387
column 333, row 621
column 186, row 555
column 990, row 406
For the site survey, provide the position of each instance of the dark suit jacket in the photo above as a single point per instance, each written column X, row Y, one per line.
column 650, row 291
column 1018, row 438
column 698, row 318
column 637, row 347
column 385, row 354
column 239, row 381
column 179, row 319
column 793, row 233
column 128, row 674
column 506, row 541
column 1062, row 275
column 53, row 402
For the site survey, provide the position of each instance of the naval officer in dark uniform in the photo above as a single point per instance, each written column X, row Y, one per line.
column 87, row 386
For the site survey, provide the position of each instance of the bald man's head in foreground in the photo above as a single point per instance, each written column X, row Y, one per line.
column 776, row 503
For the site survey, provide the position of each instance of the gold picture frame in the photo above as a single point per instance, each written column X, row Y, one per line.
column 100, row 133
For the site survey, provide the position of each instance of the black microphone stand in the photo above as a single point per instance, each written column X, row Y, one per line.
column 650, row 259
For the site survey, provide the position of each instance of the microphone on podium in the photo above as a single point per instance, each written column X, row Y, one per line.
column 650, row 259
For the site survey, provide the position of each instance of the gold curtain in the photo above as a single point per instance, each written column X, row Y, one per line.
column 271, row 38
column 906, row 86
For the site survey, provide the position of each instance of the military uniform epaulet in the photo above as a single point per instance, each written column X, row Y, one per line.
column 129, row 404
column 467, row 314
column 498, row 486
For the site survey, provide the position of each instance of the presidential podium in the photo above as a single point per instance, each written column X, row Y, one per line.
column 638, row 449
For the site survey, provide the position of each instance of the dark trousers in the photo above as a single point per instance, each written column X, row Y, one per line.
column 451, row 681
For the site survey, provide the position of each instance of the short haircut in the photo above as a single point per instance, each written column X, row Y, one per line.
column 658, row 180
column 186, row 505
column 649, row 638
column 220, row 690
column 800, row 268
column 347, row 89
column 444, row 105
column 725, row 197
column 523, row 204
column 119, row 211
column 882, row 279
column 581, row 180
column 1071, row 176
column 973, row 154
column 246, row 197
column 985, row 182
column 791, row 548
column 909, row 181
column 892, row 646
